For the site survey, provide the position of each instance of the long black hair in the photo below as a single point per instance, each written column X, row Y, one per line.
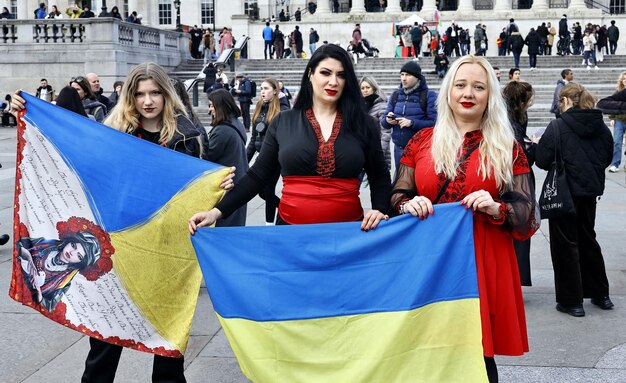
column 351, row 104
column 69, row 99
column 224, row 106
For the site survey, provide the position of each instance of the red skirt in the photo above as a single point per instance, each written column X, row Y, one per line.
column 313, row 199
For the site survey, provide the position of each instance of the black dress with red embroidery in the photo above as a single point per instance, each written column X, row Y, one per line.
column 292, row 144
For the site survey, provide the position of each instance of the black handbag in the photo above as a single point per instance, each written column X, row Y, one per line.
column 555, row 200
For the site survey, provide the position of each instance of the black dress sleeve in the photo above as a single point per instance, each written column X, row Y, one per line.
column 376, row 169
column 263, row 170
column 544, row 152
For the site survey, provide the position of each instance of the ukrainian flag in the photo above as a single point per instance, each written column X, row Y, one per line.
column 137, row 192
column 331, row 303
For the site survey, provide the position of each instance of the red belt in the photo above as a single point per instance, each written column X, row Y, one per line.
column 320, row 200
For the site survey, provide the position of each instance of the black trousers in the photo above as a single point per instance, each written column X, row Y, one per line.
column 577, row 260
column 245, row 114
column 103, row 359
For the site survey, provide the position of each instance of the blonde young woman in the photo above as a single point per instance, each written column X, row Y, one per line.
column 376, row 104
column 271, row 102
column 492, row 180
column 148, row 108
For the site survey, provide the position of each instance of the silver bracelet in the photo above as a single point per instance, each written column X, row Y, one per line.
column 402, row 207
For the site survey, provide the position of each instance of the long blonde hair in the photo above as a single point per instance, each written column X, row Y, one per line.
column 274, row 104
column 125, row 117
column 620, row 81
column 496, row 148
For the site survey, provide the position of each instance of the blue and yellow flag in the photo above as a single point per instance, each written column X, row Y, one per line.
column 331, row 303
column 101, row 229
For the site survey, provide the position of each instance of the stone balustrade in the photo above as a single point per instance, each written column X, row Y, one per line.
column 60, row 49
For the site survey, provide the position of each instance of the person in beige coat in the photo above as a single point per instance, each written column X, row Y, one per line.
column 551, row 34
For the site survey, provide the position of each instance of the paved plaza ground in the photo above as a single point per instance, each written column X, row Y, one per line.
column 562, row 348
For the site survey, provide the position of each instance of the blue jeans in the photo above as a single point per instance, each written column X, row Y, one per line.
column 618, row 138
column 591, row 53
column 312, row 48
column 516, row 58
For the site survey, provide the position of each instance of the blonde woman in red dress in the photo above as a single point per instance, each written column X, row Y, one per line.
column 473, row 145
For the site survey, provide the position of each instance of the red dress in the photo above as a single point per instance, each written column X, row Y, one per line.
column 501, row 302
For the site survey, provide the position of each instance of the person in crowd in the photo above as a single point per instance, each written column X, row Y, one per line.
column 567, row 76
column 425, row 44
column 94, row 82
column 115, row 13
column 45, row 91
column 138, row 19
column 296, row 43
column 7, row 118
column 210, row 75
column 618, row 123
column 208, row 44
column 441, row 64
column 603, row 42
column 465, row 41
column 357, row 37
column 313, row 39
column 550, row 42
column 115, row 95
column 40, row 13
column 453, row 40
column 471, row 157
column 183, row 95
column 278, row 41
column 577, row 39
column 227, row 145
column 411, row 108
column 132, row 17
column 479, row 38
column 54, row 13
column 376, row 104
column 534, row 42
column 243, row 91
column 515, row 74
column 586, row 147
column 516, row 44
column 270, row 104
column 69, row 99
column 589, row 44
column 286, row 92
column 6, row 14
column 195, row 37
column 226, row 40
column 519, row 96
column 268, row 37
column 416, row 39
column 94, row 108
column 149, row 109
column 320, row 147
column 543, row 32
column 87, row 13
column 613, row 36
column 220, row 74
column 497, row 72
column 73, row 11
column 298, row 14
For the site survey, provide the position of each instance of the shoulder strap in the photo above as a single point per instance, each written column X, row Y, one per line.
column 394, row 100
column 423, row 100
column 458, row 163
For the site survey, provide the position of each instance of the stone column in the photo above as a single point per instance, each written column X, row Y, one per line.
column 132, row 6
column 358, row 6
column 503, row 5
column 24, row 11
column 577, row 4
column 323, row 6
column 428, row 10
column 540, row 5
column 393, row 6
column 465, row 6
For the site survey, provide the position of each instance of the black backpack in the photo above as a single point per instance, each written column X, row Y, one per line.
column 423, row 95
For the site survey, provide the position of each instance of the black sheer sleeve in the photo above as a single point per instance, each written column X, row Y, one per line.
column 263, row 170
column 522, row 210
column 376, row 169
column 403, row 188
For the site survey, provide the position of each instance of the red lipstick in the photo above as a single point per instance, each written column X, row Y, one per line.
column 330, row 92
column 467, row 104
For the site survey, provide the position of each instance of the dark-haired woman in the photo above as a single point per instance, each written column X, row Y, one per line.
column 519, row 96
column 69, row 99
column 320, row 147
column 227, row 144
column 93, row 107
column 586, row 146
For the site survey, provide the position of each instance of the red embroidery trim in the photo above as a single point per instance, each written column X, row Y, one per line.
column 326, row 149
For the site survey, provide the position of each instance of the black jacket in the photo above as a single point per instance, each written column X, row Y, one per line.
column 532, row 40
column 613, row 104
column 586, row 147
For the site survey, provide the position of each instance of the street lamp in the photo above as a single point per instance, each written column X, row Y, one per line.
column 104, row 12
column 177, row 6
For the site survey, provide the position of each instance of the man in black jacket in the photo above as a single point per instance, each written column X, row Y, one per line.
column 94, row 81
column 613, row 33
